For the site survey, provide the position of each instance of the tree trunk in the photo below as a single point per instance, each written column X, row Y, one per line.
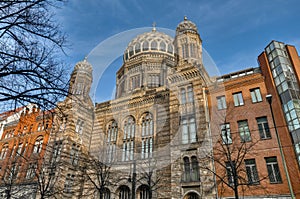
column 236, row 192
column 8, row 195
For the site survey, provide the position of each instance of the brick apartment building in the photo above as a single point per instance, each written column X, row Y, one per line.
column 22, row 147
column 243, row 132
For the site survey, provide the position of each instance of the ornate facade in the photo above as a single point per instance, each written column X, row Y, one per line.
column 154, row 135
column 167, row 132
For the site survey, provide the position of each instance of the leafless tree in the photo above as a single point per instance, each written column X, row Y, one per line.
column 31, row 44
column 48, row 173
column 98, row 174
column 229, row 157
column 11, row 185
column 148, row 176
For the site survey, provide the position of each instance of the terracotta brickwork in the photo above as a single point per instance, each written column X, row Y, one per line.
column 23, row 144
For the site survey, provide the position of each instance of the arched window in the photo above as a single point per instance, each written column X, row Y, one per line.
column 137, row 47
column 131, row 51
column 191, row 169
column 186, row 175
column 185, row 50
column 144, row 192
column 112, row 134
column 40, row 126
column 128, row 139
column 170, row 48
column 147, row 136
column 4, row 151
column 38, row 145
column 74, row 154
column 124, row 192
column 193, row 50
column 191, row 196
column 162, row 46
column 153, row 45
column 105, row 194
column 145, row 46
column 195, row 169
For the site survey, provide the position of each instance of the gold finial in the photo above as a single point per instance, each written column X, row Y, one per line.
column 153, row 27
column 185, row 18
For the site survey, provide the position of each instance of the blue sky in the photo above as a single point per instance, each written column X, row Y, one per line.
column 234, row 32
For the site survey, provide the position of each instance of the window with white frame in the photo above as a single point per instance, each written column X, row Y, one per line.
column 188, row 129
column 225, row 133
column 38, row 144
column 79, row 126
column 128, row 139
column 238, row 99
column 4, row 151
column 251, row 171
column 186, row 95
column 74, row 154
column 263, row 128
column 112, row 135
column 221, row 101
column 273, row 170
column 244, row 131
column 147, row 136
column 191, row 169
column 40, row 127
column 255, row 95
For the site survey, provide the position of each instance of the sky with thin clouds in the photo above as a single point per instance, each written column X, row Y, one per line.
column 234, row 32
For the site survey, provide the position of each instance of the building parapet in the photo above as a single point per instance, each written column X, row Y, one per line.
column 237, row 74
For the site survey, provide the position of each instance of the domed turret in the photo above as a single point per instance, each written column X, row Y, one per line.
column 84, row 66
column 186, row 26
column 153, row 41
column 81, row 79
column 188, row 43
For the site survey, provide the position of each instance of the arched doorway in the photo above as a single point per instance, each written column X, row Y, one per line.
column 124, row 192
column 192, row 195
